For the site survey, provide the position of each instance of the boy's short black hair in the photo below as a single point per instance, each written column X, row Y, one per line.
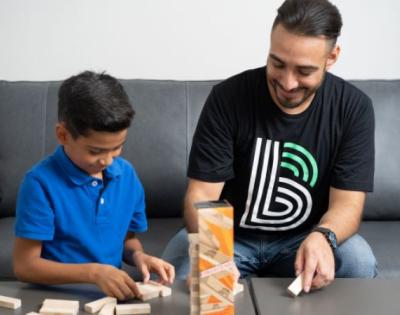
column 310, row 18
column 93, row 101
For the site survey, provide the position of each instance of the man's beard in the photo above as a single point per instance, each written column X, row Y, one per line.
column 291, row 104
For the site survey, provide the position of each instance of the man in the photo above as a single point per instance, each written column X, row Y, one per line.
column 291, row 147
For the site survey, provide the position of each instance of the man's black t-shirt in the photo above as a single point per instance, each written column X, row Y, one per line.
column 277, row 167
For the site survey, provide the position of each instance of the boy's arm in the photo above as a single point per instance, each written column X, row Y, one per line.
column 30, row 267
column 134, row 255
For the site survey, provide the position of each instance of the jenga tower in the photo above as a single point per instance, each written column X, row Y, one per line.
column 215, row 258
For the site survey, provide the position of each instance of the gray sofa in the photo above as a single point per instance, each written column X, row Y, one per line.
column 158, row 145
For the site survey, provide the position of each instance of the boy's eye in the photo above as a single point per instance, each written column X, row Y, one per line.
column 92, row 152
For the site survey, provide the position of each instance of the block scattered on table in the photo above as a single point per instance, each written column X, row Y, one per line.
column 165, row 291
column 9, row 302
column 108, row 309
column 295, row 288
column 97, row 305
column 131, row 309
column 59, row 307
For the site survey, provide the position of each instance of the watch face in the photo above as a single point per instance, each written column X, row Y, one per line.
column 332, row 239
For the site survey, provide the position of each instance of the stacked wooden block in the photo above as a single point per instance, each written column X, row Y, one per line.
column 212, row 272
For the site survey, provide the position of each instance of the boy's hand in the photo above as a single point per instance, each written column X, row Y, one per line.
column 114, row 282
column 146, row 264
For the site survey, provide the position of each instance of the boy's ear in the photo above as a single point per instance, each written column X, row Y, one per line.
column 62, row 133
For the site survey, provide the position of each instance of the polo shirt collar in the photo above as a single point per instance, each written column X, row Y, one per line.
column 76, row 175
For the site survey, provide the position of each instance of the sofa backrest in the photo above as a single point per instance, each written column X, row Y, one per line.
column 159, row 140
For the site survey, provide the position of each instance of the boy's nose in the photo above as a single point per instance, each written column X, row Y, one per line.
column 107, row 160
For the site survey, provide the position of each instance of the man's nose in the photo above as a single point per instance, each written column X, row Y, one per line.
column 289, row 82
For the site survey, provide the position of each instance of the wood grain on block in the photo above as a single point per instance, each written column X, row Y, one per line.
column 130, row 309
column 53, row 310
column 95, row 306
column 10, row 302
column 61, row 303
column 296, row 286
column 108, row 309
column 194, row 273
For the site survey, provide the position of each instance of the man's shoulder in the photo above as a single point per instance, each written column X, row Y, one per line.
column 241, row 80
column 345, row 88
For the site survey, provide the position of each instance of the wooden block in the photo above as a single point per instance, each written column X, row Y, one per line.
column 165, row 291
column 95, row 306
column 131, row 309
column 32, row 313
column 148, row 291
column 9, row 302
column 108, row 309
column 59, row 307
column 61, row 303
column 296, row 286
column 238, row 288
column 53, row 310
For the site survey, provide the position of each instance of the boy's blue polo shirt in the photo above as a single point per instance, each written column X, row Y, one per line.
column 79, row 218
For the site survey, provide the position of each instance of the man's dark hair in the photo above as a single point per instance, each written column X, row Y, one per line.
column 310, row 18
column 93, row 101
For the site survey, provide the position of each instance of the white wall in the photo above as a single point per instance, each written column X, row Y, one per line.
column 177, row 39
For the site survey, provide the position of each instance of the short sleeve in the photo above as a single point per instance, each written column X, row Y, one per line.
column 34, row 216
column 211, row 155
column 138, row 221
column 355, row 163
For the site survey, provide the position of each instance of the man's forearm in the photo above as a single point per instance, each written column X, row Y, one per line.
column 198, row 191
column 344, row 213
column 190, row 216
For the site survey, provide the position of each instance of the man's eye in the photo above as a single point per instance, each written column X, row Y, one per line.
column 278, row 65
column 305, row 73
column 94, row 152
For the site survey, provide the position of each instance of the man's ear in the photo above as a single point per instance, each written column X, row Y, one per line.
column 62, row 133
column 333, row 56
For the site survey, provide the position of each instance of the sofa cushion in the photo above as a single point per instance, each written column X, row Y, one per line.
column 383, row 203
column 384, row 238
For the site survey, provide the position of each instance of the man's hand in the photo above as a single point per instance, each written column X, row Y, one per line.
column 315, row 258
column 114, row 282
column 146, row 264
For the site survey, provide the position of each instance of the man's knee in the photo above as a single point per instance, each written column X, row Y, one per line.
column 176, row 253
column 355, row 259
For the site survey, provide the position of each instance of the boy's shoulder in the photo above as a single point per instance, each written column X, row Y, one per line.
column 44, row 168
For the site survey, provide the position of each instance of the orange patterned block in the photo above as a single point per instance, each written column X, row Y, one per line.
column 216, row 277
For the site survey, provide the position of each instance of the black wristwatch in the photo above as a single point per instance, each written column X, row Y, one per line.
column 329, row 235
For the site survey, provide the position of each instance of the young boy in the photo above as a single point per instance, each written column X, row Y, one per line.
column 79, row 209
